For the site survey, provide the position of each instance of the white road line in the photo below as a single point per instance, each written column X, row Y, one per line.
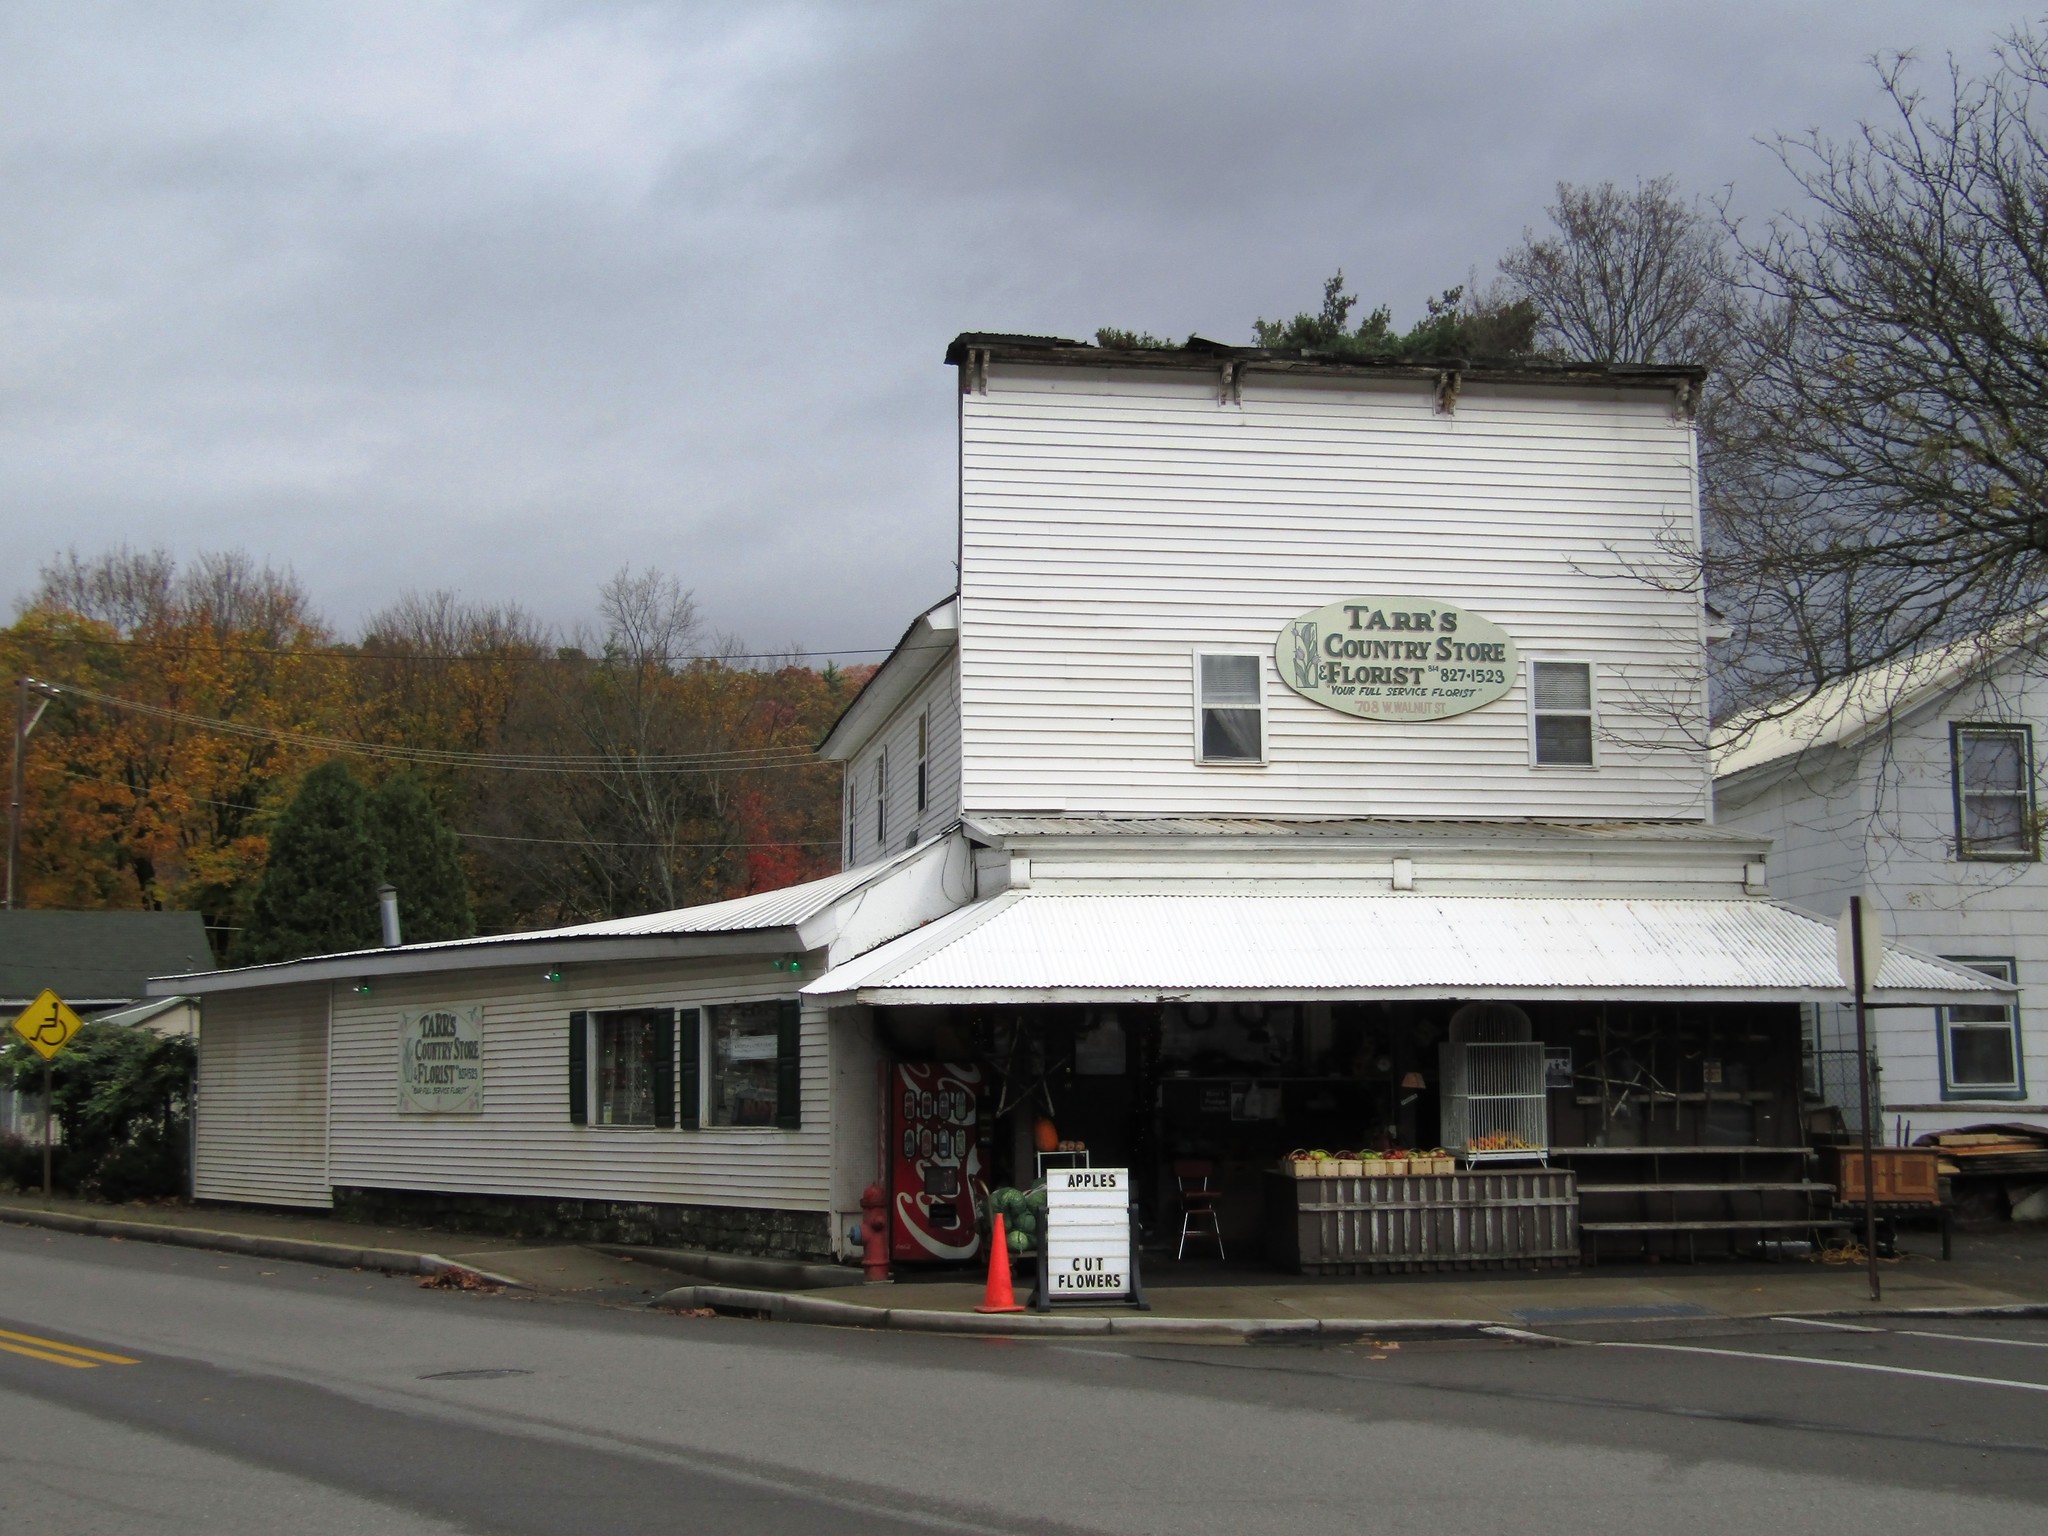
column 1840, row 1365
column 1971, row 1338
column 1914, row 1333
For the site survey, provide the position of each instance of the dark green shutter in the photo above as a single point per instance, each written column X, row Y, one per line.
column 687, row 1075
column 579, row 1069
column 665, row 1068
column 789, row 1108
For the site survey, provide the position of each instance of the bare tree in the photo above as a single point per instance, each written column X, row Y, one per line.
column 128, row 590
column 1636, row 276
column 1880, row 477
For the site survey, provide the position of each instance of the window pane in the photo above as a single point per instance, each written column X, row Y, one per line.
column 625, row 1069
column 1563, row 685
column 1230, row 735
column 1230, row 680
column 1994, row 762
column 744, row 1045
column 1566, row 739
column 1981, row 1056
column 1995, row 823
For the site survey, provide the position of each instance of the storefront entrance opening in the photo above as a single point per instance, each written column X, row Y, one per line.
column 1243, row 1084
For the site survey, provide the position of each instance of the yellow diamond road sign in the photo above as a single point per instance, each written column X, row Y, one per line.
column 47, row 1024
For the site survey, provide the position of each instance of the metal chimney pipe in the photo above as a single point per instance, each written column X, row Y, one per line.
column 387, row 909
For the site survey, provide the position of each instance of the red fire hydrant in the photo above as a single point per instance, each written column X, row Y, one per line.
column 874, row 1234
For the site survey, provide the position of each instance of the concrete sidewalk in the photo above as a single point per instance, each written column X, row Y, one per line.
column 2002, row 1268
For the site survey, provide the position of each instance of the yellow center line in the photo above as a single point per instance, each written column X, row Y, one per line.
column 94, row 1356
column 44, row 1354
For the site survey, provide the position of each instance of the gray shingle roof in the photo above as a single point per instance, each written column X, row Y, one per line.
column 95, row 958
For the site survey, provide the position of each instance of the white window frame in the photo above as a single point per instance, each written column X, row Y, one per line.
column 593, row 1032
column 2001, row 968
column 1957, row 730
column 1592, row 712
column 706, row 1070
column 1195, row 689
column 882, row 801
column 924, row 731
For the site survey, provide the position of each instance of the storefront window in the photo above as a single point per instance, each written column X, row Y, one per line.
column 628, row 1045
column 745, row 1052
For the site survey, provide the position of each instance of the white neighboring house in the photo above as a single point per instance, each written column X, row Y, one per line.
column 1915, row 783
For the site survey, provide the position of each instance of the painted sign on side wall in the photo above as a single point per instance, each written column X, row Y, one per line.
column 1396, row 658
column 441, row 1061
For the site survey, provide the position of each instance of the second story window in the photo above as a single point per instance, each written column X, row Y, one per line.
column 1994, row 787
column 882, row 799
column 923, row 749
column 1561, row 712
column 1230, row 709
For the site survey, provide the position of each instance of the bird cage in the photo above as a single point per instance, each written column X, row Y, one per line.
column 1495, row 1106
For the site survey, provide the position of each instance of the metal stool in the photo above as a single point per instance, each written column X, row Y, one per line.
column 1199, row 1203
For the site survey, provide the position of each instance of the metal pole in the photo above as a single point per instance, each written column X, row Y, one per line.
column 1863, row 1092
column 14, row 795
column 48, row 1066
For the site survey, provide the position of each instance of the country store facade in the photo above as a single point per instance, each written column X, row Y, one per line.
column 1313, row 756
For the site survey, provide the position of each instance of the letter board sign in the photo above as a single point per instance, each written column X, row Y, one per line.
column 1396, row 658
column 1088, row 1234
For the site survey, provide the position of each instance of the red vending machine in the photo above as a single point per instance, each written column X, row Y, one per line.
column 938, row 1160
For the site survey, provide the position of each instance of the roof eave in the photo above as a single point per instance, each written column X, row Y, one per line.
column 927, row 642
column 996, row 347
column 887, row 996
column 502, row 954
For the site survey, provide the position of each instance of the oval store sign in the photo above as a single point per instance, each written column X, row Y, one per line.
column 1396, row 658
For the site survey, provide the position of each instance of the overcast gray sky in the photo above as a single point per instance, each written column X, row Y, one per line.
column 499, row 297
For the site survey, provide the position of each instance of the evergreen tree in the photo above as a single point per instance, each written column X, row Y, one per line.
column 319, row 892
column 422, row 857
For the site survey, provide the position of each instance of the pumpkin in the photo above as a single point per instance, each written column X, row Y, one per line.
column 1046, row 1136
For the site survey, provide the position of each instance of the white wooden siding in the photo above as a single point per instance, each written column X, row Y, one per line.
column 857, row 1158
column 937, row 697
column 1880, row 818
column 524, row 1143
column 1114, row 521
column 263, row 1098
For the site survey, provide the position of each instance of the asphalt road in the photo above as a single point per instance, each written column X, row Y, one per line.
column 147, row 1389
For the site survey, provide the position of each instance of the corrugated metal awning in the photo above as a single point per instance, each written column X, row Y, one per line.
column 1074, row 946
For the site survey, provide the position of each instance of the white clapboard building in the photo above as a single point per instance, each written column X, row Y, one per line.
column 1297, row 724
column 1915, row 784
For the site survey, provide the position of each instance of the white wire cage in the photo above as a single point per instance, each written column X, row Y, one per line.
column 1495, row 1106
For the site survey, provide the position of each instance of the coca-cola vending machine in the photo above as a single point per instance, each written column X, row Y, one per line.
column 938, row 1160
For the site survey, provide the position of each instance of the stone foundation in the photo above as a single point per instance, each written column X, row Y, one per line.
column 718, row 1228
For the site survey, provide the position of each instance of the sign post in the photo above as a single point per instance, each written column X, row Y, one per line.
column 47, row 1025
column 1090, row 1249
column 1864, row 941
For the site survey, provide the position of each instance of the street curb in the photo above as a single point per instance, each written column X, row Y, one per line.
column 733, row 1269
column 1845, row 1314
column 781, row 1307
column 296, row 1250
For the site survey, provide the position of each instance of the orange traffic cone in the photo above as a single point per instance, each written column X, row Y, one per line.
column 1000, row 1297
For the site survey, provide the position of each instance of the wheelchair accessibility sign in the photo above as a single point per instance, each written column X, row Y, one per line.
column 47, row 1024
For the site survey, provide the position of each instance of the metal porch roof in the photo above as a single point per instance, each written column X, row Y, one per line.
column 1105, row 946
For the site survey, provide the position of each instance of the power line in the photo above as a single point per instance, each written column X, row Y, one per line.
column 489, row 837
column 740, row 760
column 663, row 658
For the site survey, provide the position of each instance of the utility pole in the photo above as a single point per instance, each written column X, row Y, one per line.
column 24, row 722
column 1863, row 1088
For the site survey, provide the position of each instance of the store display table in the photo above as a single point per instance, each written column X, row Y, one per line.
column 1496, row 1219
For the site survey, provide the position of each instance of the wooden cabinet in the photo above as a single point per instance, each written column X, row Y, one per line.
column 1899, row 1175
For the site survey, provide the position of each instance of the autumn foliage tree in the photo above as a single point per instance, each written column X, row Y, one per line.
column 640, row 764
